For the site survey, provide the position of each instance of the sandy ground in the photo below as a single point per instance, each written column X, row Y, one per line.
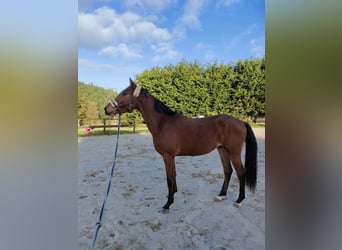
column 131, row 218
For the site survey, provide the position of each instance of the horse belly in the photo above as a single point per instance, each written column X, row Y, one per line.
column 194, row 152
column 195, row 146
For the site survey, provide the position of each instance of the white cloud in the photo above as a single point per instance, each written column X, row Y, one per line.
column 167, row 56
column 226, row 3
column 208, row 51
column 87, row 64
column 190, row 18
column 105, row 27
column 239, row 37
column 191, row 14
column 91, row 65
column 120, row 50
column 257, row 47
column 165, row 51
column 161, row 47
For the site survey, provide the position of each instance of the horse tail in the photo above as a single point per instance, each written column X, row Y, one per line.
column 251, row 158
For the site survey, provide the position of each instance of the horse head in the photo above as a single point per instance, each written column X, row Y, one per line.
column 126, row 101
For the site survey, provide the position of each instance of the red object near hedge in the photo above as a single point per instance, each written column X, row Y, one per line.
column 88, row 131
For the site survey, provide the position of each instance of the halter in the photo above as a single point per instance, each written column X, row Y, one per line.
column 137, row 90
column 136, row 93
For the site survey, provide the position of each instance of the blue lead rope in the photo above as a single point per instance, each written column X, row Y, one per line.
column 99, row 221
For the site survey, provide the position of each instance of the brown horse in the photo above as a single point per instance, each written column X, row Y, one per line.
column 175, row 135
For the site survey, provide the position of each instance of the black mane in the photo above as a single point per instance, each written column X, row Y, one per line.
column 159, row 106
column 162, row 108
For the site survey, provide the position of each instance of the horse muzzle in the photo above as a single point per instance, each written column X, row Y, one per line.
column 112, row 107
column 111, row 111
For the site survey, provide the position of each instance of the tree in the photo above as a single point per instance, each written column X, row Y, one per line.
column 194, row 89
column 92, row 111
column 82, row 106
column 91, row 101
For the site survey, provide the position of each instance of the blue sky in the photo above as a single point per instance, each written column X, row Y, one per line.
column 119, row 39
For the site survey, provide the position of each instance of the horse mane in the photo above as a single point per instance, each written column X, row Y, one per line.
column 162, row 108
column 159, row 106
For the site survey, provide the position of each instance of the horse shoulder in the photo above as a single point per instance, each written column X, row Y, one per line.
column 164, row 140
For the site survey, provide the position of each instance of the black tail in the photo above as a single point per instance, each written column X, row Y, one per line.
column 251, row 158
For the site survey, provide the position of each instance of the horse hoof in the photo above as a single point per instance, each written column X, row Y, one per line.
column 237, row 205
column 219, row 198
column 164, row 211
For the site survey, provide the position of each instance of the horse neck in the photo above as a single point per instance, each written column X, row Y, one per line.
column 151, row 117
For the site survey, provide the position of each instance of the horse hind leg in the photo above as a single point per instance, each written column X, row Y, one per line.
column 227, row 169
column 238, row 166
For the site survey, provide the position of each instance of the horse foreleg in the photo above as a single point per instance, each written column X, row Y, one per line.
column 171, row 179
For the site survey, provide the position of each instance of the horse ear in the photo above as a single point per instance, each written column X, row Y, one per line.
column 133, row 85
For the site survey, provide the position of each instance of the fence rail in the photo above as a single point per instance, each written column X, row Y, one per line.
column 260, row 121
column 104, row 123
column 113, row 123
